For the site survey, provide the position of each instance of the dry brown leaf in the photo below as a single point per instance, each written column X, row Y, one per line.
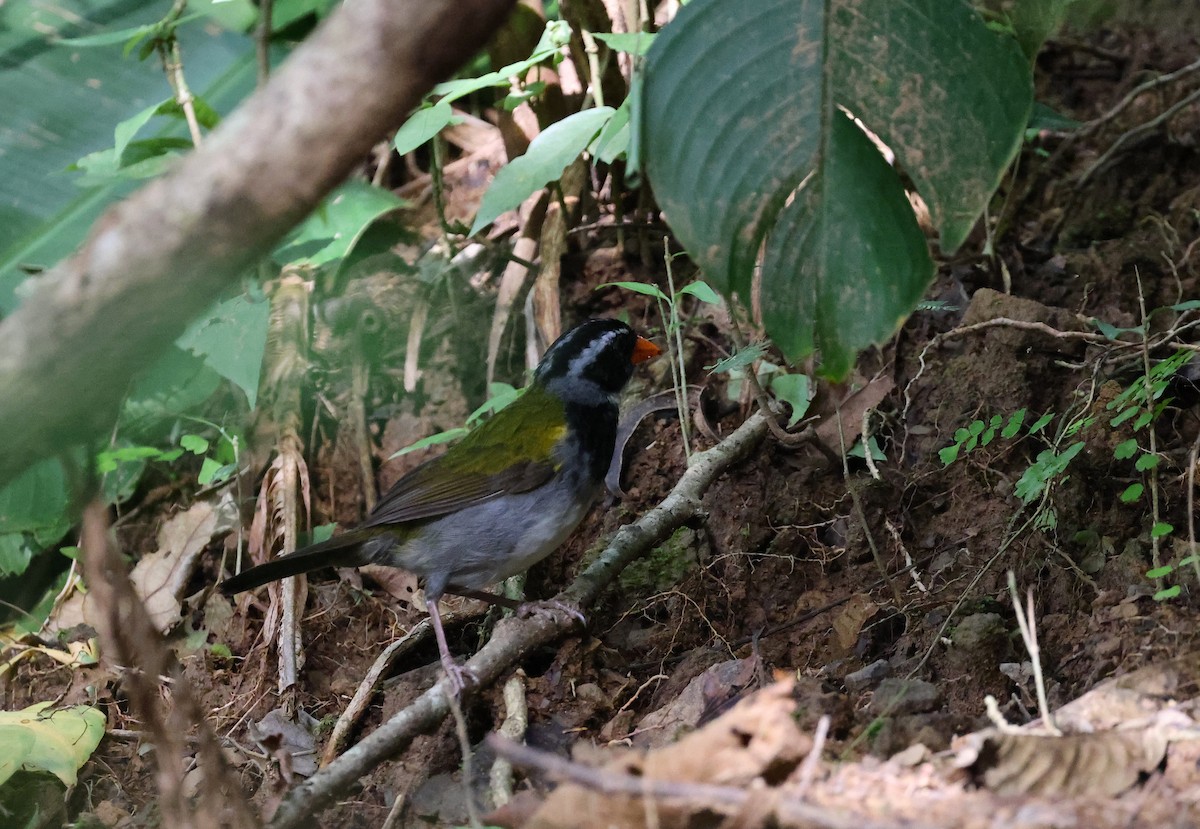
column 293, row 746
column 683, row 713
column 547, row 303
column 756, row 742
column 848, row 620
column 161, row 577
column 470, row 134
column 511, row 282
column 1095, row 765
column 1132, row 696
column 850, row 413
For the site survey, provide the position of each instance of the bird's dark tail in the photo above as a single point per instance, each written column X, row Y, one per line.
column 352, row 549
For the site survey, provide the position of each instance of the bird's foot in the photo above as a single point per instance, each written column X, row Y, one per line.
column 459, row 676
column 551, row 607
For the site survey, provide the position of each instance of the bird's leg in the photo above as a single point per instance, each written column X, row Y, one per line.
column 458, row 675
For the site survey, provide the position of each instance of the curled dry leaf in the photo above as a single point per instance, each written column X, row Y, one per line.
column 847, row 425
column 1121, row 730
column 757, row 742
column 661, row 402
column 1102, row 764
column 849, row 619
column 709, row 691
column 292, row 745
column 161, row 577
column 1133, row 696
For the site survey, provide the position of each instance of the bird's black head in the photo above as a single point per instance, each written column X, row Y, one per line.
column 593, row 360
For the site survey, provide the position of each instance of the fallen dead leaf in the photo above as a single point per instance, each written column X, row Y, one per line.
column 1094, row 765
column 161, row 577
column 757, row 743
column 849, row 619
column 707, row 691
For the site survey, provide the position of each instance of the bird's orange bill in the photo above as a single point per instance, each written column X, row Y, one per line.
column 644, row 350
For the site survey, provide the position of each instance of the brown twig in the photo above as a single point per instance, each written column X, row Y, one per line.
column 1137, row 91
column 362, row 697
column 516, row 721
column 1137, row 132
column 1193, row 458
column 262, row 39
column 130, row 639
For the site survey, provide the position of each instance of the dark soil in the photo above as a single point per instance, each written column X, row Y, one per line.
column 816, row 575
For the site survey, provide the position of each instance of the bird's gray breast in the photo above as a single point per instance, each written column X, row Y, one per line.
column 490, row 541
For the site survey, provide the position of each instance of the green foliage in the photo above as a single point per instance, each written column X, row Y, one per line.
column 500, row 395
column 221, row 462
column 53, row 118
column 860, row 449
column 39, row 738
column 734, row 126
column 603, row 131
column 231, row 340
column 226, row 343
column 548, row 156
column 33, row 515
column 1029, row 21
column 1136, row 408
column 423, row 125
column 1167, row 570
column 436, row 114
column 1050, row 464
column 977, row 433
column 668, row 310
column 329, row 235
column 793, row 389
column 634, row 43
column 739, row 359
column 556, row 35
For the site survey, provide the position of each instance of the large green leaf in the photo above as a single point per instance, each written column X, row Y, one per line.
column 335, row 227
column 43, row 739
column 741, row 105
column 231, row 339
column 849, row 258
column 422, row 125
column 36, row 502
column 62, row 102
column 545, row 160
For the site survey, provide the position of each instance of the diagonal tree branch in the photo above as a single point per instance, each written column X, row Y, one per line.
column 157, row 259
column 514, row 638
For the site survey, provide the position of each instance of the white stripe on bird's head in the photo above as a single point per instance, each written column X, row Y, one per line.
column 585, row 358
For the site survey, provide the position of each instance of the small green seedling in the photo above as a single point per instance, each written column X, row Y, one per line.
column 500, row 395
column 668, row 309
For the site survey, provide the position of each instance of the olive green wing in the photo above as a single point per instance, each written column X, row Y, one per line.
column 511, row 453
column 427, row 493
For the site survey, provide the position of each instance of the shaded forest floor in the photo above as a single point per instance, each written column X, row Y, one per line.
column 879, row 599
